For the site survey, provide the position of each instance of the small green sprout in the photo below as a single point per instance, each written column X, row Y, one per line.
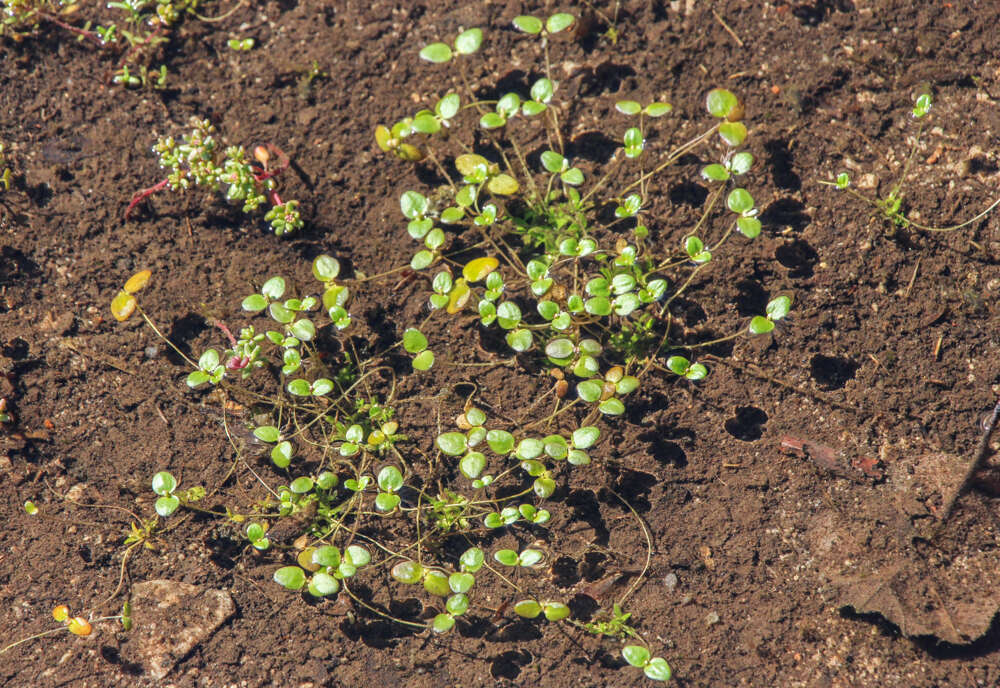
column 527, row 558
column 257, row 537
column 614, row 625
column 240, row 44
column 210, row 369
column 466, row 43
column 777, row 308
column 534, row 26
column 696, row 250
column 389, row 481
column 530, row 609
column 684, row 368
column 655, row 668
column 629, row 207
column 165, row 485
column 922, row 105
column 415, row 343
column 557, row 164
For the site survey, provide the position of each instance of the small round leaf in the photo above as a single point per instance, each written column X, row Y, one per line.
column 636, row 655
column 291, row 577
column 526, row 24
column 468, row 41
column 436, row 52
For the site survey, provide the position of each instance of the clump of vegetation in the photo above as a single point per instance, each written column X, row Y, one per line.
column 197, row 160
column 518, row 243
column 137, row 32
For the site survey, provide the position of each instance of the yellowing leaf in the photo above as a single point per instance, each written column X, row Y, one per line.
column 459, row 296
column 409, row 152
column 78, row 626
column 137, row 281
column 478, row 268
column 382, row 138
column 467, row 163
column 503, row 185
column 122, row 306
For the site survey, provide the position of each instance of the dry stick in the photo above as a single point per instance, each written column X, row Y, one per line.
column 913, row 279
column 977, row 461
column 728, row 30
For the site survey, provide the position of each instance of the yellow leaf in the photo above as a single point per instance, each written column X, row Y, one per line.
column 459, row 296
column 60, row 613
column 304, row 560
column 123, row 306
column 382, row 137
column 78, row 626
column 478, row 268
column 410, row 153
column 467, row 163
column 503, row 185
column 137, row 281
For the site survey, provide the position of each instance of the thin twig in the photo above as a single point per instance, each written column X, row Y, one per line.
column 913, row 279
column 728, row 30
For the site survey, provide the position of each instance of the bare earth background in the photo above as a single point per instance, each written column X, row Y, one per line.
column 766, row 547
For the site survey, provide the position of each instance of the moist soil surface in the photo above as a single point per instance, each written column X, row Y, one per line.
column 792, row 498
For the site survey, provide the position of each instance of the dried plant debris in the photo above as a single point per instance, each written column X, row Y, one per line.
column 894, row 557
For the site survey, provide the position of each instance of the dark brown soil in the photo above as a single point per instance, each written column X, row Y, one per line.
column 891, row 350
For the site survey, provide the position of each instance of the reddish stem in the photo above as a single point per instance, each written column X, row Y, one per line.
column 283, row 163
column 90, row 35
column 139, row 46
column 222, row 326
column 144, row 194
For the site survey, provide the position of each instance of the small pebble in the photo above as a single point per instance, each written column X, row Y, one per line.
column 152, row 351
column 712, row 619
column 670, row 581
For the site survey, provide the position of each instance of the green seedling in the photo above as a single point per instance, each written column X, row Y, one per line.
column 416, row 343
column 197, row 161
column 256, row 534
column 614, row 625
column 466, row 43
column 655, row 668
column 530, row 609
column 684, row 368
column 776, row 310
column 240, row 44
column 144, row 77
column 168, row 501
column 527, row 558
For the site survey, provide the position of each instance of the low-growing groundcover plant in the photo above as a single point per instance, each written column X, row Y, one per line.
column 575, row 277
column 197, row 160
